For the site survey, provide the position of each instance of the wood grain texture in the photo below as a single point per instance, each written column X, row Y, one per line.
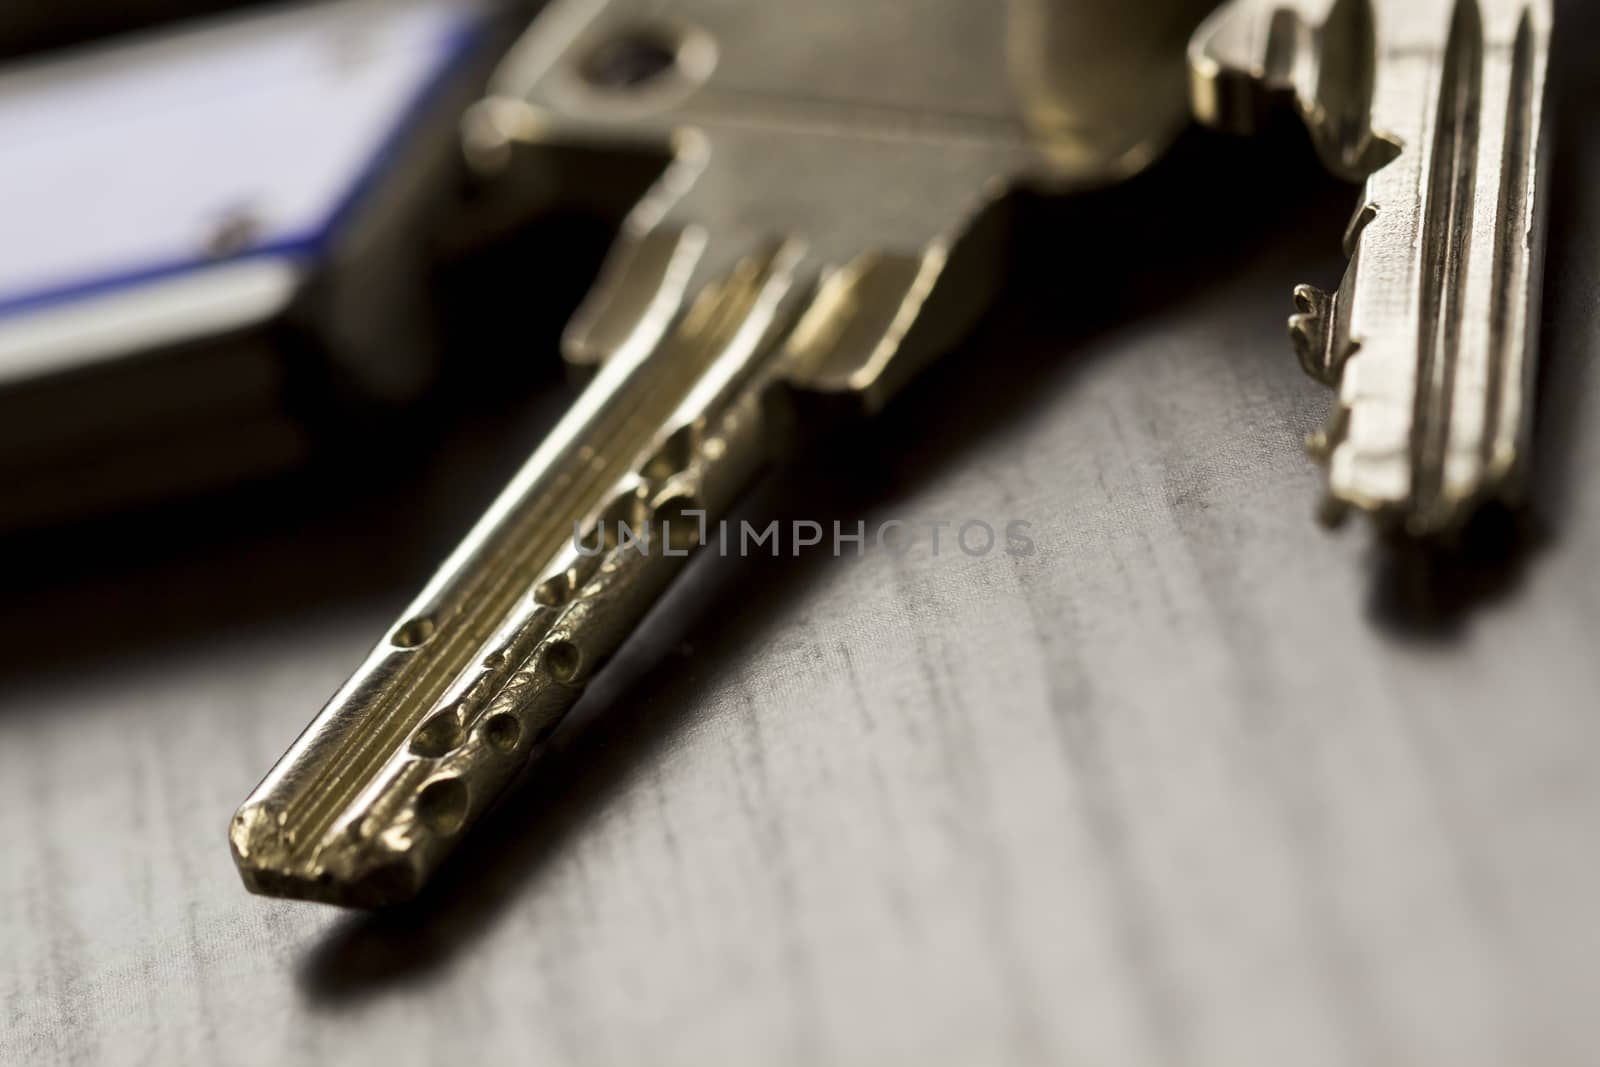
column 1190, row 785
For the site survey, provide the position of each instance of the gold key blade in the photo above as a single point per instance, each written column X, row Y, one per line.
column 829, row 221
column 1431, row 340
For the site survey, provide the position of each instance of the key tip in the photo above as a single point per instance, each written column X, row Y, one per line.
column 365, row 873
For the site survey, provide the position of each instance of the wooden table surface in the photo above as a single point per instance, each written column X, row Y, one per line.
column 1195, row 783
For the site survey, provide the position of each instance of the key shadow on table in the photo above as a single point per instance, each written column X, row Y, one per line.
column 1215, row 207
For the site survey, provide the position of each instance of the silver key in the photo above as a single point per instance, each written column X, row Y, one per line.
column 830, row 220
column 1431, row 339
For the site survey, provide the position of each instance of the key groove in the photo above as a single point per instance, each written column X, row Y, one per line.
column 1446, row 244
column 471, row 610
column 1511, row 235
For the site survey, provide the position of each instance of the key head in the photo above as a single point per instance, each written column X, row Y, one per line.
column 879, row 136
column 1437, row 106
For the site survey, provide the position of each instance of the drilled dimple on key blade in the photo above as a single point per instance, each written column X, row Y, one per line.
column 359, row 816
column 1431, row 338
column 829, row 221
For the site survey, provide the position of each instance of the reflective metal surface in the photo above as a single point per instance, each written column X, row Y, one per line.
column 829, row 220
column 1432, row 339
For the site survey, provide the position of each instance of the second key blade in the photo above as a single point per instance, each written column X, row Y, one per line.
column 1431, row 339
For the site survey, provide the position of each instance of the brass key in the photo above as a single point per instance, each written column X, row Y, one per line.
column 829, row 221
column 1432, row 338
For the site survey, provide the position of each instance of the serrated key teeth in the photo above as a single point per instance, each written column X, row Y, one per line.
column 1311, row 300
column 1363, row 217
column 1368, row 153
column 1311, row 332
